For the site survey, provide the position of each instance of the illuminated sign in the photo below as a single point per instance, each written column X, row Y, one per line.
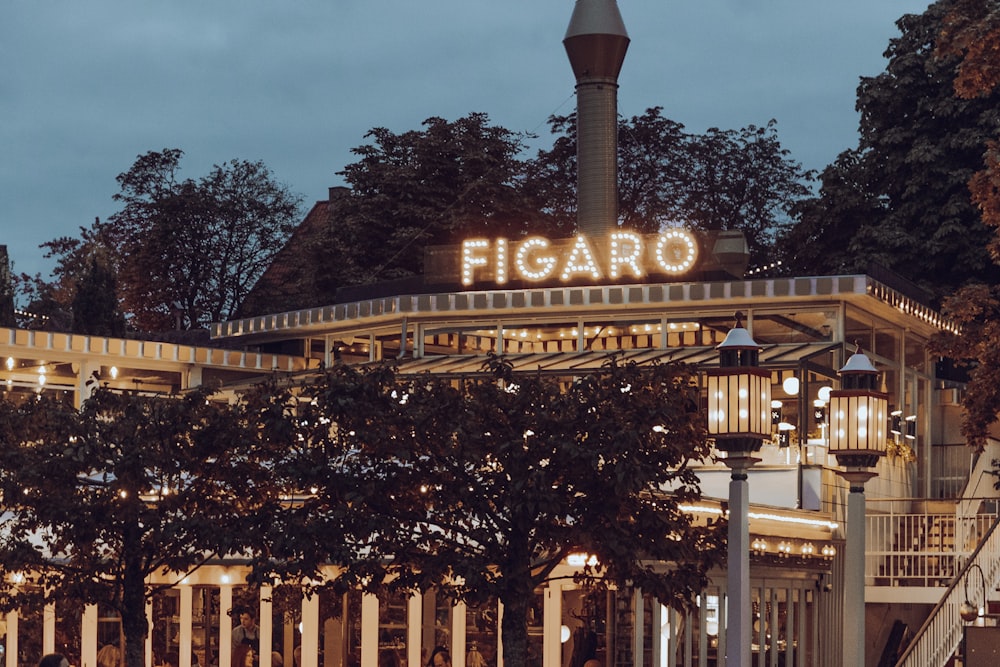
column 537, row 259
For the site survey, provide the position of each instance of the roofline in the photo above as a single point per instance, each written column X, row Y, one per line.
column 142, row 353
column 385, row 311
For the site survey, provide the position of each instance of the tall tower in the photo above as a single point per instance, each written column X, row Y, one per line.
column 596, row 42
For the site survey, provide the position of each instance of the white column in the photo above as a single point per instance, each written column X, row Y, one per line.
column 739, row 608
column 854, row 577
column 657, row 623
column 49, row 628
column 264, row 625
column 88, row 636
column 225, row 625
column 192, row 377
column 310, row 631
column 11, row 645
column 85, row 382
column 414, row 609
column 499, row 634
column 551, row 626
column 184, row 638
column 458, row 632
column 638, row 631
column 149, row 635
column 369, row 629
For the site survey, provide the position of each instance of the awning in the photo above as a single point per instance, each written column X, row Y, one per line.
column 578, row 363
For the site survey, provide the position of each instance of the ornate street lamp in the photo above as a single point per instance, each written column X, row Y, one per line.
column 739, row 418
column 859, row 418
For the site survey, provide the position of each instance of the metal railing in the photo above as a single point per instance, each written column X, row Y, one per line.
column 909, row 548
column 935, row 643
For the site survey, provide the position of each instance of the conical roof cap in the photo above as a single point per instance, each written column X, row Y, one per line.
column 596, row 17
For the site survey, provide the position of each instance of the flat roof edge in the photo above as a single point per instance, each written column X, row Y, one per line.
column 275, row 326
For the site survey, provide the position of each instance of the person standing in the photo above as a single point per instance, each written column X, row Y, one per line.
column 247, row 632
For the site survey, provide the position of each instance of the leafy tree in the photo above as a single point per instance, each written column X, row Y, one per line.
column 743, row 180
column 100, row 499
column 6, row 290
column 813, row 244
column 971, row 30
column 906, row 200
column 722, row 180
column 95, row 303
column 482, row 486
column 420, row 188
column 184, row 247
column 971, row 33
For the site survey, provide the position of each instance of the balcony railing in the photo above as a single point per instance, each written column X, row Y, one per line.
column 925, row 548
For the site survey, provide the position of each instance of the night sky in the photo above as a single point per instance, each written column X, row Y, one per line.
column 85, row 87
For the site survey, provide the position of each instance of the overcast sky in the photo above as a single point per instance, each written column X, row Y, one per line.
column 85, row 87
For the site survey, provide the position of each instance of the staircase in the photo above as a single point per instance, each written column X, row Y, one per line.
column 935, row 643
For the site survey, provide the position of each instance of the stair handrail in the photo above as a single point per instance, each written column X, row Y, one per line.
column 980, row 485
column 936, row 640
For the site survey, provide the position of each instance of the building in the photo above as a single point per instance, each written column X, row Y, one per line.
column 930, row 518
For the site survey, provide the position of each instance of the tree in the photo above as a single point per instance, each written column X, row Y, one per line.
column 95, row 303
column 814, row 244
column 186, row 247
column 420, row 188
column 98, row 500
column 722, row 180
column 482, row 486
column 7, row 318
column 907, row 203
column 971, row 33
column 743, row 180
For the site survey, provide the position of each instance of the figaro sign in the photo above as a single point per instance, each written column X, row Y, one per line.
column 536, row 259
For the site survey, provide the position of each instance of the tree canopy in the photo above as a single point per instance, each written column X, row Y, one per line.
column 480, row 487
column 6, row 290
column 95, row 302
column 721, row 180
column 425, row 187
column 453, row 179
column 901, row 199
column 970, row 33
column 99, row 499
column 184, row 252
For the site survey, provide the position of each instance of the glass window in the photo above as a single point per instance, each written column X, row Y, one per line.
column 436, row 626
column 481, row 634
column 916, row 352
column 286, row 615
column 798, row 326
column 29, row 639
column 887, row 343
column 392, row 625
column 352, row 628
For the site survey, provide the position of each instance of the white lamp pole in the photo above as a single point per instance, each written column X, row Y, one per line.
column 739, row 418
column 858, row 426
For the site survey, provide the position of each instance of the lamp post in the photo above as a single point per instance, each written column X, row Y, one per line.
column 858, row 423
column 739, row 418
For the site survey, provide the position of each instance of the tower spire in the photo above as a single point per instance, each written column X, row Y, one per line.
column 596, row 42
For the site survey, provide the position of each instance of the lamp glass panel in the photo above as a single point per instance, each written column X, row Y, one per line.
column 858, row 421
column 739, row 404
